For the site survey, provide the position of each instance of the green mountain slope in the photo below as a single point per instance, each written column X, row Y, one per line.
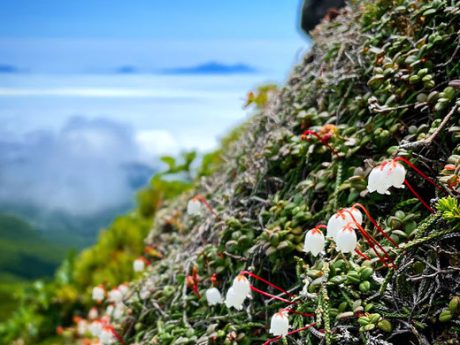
column 25, row 255
column 24, row 252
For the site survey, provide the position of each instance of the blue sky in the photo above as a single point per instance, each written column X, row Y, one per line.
column 98, row 36
column 173, row 19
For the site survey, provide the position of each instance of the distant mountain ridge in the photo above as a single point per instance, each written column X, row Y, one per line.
column 213, row 68
column 5, row 68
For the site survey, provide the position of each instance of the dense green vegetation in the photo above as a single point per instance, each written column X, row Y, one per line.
column 24, row 252
column 25, row 255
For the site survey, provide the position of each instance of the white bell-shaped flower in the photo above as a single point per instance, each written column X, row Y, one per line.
column 194, row 207
column 346, row 239
column 234, row 299
column 106, row 337
column 279, row 325
column 109, row 309
column 213, row 296
column 98, row 293
column 82, row 327
column 241, row 285
column 139, row 265
column 377, row 181
column 341, row 218
column 118, row 311
column 124, row 289
column 395, row 173
column 95, row 328
column 93, row 314
column 314, row 242
column 115, row 295
column 386, row 175
column 147, row 290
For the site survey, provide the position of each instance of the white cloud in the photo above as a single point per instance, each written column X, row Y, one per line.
column 155, row 142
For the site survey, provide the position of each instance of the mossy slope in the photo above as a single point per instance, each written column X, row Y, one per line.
column 377, row 83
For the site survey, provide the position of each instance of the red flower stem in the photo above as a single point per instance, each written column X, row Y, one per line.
column 271, row 296
column 196, row 291
column 364, row 256
column 205, row 203
column 418, row 171
column 366, row 234
column 374, row 222
column 321, row 139
column 372, row 242
column 418, row 196
column 266, row 282
column 290, row 333
column 118, row 336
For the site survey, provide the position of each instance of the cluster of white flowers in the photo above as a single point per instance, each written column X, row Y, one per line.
column 117, row 294
column 238, row 292
column 386, row 175
column 116, row 311
column 99, row 325
column 279, row 325
column 342, row 218
column 340, row 228
column 101, row 330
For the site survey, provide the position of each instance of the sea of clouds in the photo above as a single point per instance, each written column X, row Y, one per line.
column 83, row 168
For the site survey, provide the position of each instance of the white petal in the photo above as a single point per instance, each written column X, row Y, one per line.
column 356, row 214
column 241, row 286
column 346, row 240
column 335, row 223
column 373, row 178
column 232, row 299
column 397, row 175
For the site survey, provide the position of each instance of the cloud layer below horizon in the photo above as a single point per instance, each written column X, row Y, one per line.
column 79, row 169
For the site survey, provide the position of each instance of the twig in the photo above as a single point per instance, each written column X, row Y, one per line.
column 429, row 140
